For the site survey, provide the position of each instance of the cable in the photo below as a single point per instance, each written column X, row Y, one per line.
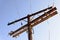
column 53, row 2
column 48, row 30
column 32, row 16
column 32, row 31
column 48, row 24
column 49, row 34
column 30, row 7
column 17, row 8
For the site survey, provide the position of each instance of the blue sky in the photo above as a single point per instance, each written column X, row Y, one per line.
column 11, row 10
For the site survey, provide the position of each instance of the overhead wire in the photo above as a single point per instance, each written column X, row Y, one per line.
column 32, row 16
column 31, row 10
column 48, row 24
column 53, row 4
column 16, row 5
column 18, row 12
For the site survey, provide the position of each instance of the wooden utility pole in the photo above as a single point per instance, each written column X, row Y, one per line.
column 30, row 24
column 29, row 28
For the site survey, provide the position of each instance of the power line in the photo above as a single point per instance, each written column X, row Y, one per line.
column 16, row 5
